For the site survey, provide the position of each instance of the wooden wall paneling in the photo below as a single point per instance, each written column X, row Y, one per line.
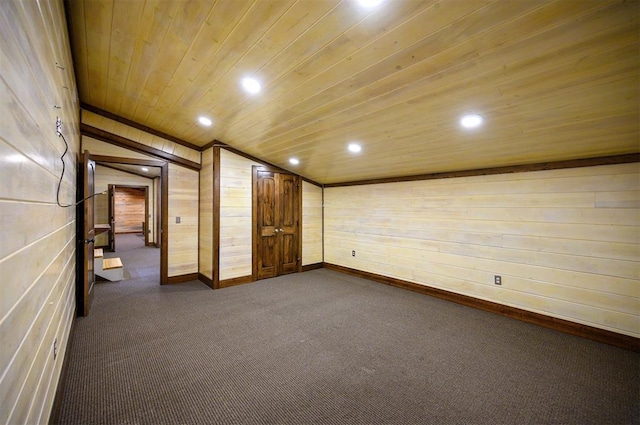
column 114, row 139
column 105, row 176
column 38, row 236
column 106, row 154
column 44, row 330
column 585, row 331
column 216, row 217
column 130, row 209
column 235, row 215
column 144, row 135
column 311, row 224
column 205, row 241
column 183, row 203
column 558, row 252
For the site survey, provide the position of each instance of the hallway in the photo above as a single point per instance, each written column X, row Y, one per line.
column 140, row 262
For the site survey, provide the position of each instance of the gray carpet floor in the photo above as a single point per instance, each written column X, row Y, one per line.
column 327, row 348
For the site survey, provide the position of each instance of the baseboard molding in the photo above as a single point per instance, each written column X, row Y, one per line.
column 236, row 281
column 566, row 326
column 54, row 417
column 182, row 278
column 312, row 267
column 204, row 279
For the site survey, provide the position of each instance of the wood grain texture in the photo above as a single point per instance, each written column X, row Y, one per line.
column 205, row 229
column 235, row 215
column 311, row 224
column 129, row 210
column 37, row 254
column 105, row 176
column 182, row 199
column 559, row 252
column 554, row 80
column 183, row 236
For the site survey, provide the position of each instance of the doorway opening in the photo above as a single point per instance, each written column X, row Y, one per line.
column 89, row 227
column 135, row 208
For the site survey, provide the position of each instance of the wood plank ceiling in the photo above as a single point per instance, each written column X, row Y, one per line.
column 554, row 80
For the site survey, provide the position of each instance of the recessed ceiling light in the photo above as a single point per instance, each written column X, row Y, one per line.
column 294, row 161
column 145, row 169
column 354, row 147
column 251, row 85
column 205, row 121
column 471, row 121
column 369, row 3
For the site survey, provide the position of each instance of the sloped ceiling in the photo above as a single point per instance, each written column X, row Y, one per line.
column 553, row 80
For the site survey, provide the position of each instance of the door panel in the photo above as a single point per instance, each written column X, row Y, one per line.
column 112, row 221
column 289, row 219
column 267, row 225
column 278, row 223
column 86, row 235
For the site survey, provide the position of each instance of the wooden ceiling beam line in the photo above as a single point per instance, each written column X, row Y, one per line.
column 138, row 126
column 217, row 143
column 543, row 166
column 114, row 139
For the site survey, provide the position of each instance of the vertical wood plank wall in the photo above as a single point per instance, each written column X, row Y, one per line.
column 183, row 202
column 139, row 136
column 105, row 176
column 129, row 211
column 565, row 242
column 205, row 242
column 183, row 236
column 311, row 224
column 235, row 215
column 38, row 242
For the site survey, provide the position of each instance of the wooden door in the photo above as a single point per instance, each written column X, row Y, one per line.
column 112, row 219
column 277, row 223
column 86, row 235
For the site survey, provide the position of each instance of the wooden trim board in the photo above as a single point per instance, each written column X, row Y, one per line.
column 164, row 204
column 204, row 279
column 215, row 262
column 183, row 278
column 314, row 266
column 566, row 326
column 123, row 142
column 574, row 163
column 235, row 281
column 141, row 127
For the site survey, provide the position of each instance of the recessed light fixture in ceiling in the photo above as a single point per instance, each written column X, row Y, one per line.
column 369, row 3
column 251, row 85
column 294, row 161
column 145, row 169
column 354, row 147
column 205, row 121
column 471, row 121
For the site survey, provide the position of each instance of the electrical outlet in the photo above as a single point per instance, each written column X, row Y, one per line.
column 55, row 348
column 353, row 253
column 497, row 280
column 177, row 220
